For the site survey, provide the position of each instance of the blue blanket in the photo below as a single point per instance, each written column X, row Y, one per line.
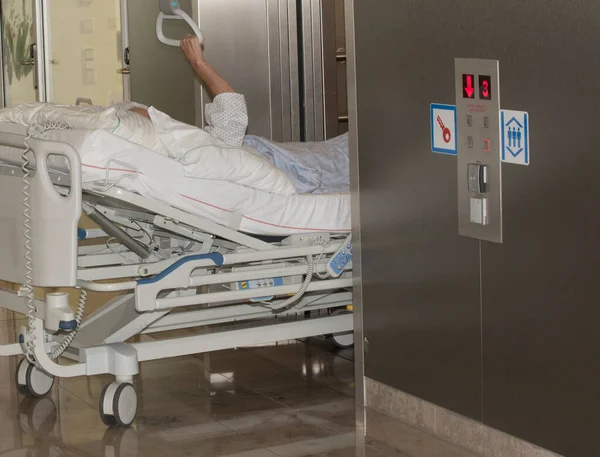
column 314, row 168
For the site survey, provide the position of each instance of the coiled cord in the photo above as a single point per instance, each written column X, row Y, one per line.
column 27, row 289
column 298, row 295
column 313, row 268
column 28, row 286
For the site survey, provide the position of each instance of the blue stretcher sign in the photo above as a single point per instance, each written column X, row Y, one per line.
column 443, row 129
column 515, row 137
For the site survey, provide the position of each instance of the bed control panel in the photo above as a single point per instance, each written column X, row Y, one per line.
column 306, row 239
column 341, row 258
column 264, row 283
column 479, row 153
column 260, row 284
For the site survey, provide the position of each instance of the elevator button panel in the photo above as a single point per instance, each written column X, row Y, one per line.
column 478, row 143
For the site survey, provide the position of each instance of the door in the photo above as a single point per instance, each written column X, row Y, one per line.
column 19, row 83
column 83, row 51
column 254, row 46
column 422, row 303
column 79, row 46
column 160, row 75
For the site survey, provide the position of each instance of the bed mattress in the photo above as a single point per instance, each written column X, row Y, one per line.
column 137, row 169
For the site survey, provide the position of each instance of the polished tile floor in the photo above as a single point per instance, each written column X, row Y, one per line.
column 292, row 399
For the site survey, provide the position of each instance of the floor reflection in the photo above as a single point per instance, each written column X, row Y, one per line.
column 292, row 399
column 37, row 433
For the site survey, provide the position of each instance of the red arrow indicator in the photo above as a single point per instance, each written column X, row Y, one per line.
column 468, row 89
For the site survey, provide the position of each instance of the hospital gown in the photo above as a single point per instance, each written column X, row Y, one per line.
column 314, row 168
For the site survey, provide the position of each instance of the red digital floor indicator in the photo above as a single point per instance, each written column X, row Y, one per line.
column 445, row 131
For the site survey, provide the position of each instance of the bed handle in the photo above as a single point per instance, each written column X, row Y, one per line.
column 44, row 149
column 181, row 15
column 55, row 217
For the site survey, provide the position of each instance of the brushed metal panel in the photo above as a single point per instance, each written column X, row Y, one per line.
column 317, row 77
column 472, row 149
column 276, row 67
column 342, row 68
column 237, row 33
column 160, row 75
column 540, row 289
column 359, row 338
column 420, row 280
column 312, row 98
column 330, row 70
column 253, row 46
column 294, row 70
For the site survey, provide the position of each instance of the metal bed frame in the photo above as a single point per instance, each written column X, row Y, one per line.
column 173, row 270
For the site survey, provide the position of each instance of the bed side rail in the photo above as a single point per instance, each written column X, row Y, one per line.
column 54, row 217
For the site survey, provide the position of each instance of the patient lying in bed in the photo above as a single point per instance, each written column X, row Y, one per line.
column 318, row 167
column 308, row 168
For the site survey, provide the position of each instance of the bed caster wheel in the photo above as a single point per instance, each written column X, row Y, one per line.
column 31, row 381
column 342, row 340
column 118, row 404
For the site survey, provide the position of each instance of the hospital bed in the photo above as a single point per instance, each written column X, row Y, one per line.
column 199, row 265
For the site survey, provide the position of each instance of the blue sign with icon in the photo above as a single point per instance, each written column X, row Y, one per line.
column 515, row 137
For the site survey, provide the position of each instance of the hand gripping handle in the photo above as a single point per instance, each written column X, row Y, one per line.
column 179, row 14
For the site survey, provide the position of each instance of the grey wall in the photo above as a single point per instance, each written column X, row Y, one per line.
column 505, row 334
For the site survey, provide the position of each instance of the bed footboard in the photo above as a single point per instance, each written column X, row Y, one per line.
column 54, row 217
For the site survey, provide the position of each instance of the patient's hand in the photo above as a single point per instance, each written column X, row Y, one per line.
column 141, row 112
column 192, row 49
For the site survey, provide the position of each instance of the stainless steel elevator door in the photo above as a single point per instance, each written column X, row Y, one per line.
column 420, row 279
column 253, row 45
column 160, row 75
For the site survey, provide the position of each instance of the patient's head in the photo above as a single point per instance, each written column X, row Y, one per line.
column 141, row 112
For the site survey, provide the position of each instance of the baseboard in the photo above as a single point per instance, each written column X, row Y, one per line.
column 454, row 428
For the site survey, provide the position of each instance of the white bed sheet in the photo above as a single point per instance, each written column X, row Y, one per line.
column 162, row 179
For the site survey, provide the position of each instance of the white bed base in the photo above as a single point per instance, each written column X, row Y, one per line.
column 184, row 284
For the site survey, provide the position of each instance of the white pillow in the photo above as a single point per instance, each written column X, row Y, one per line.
column 116, row 119
column 204, row 156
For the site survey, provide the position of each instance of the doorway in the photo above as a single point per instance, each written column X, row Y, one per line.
column 64, row 51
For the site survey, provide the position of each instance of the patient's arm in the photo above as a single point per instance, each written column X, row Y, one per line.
column 214, row 83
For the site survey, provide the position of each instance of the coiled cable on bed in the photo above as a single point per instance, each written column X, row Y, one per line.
column 298, row 295
column 313, row 269
column 28, row 286
column 27, row 289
